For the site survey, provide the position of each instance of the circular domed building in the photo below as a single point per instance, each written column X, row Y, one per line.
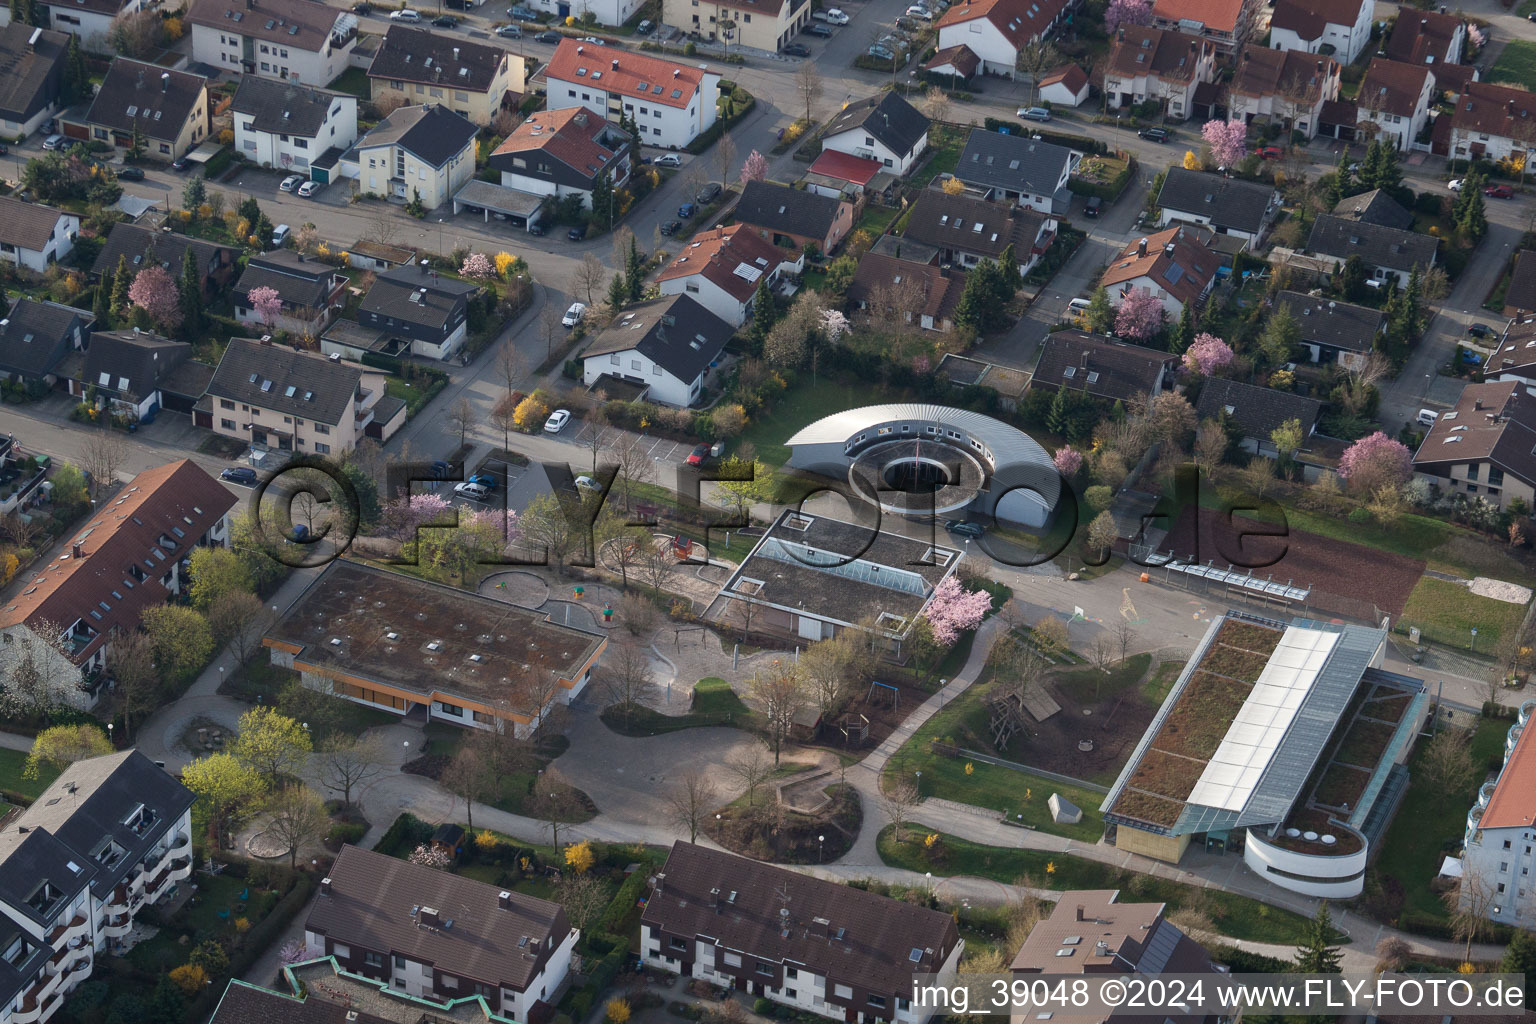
column 915, row 459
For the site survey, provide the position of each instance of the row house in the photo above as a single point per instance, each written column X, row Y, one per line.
column 1328, row 29
column 1226, row 24
column 1493, row 122
column 1396, row 98
column 1283, row 87
column 283, row 40
column 1147, row 63
column 966, row 229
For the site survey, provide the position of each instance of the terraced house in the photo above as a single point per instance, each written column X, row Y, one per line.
column 761, row 24
column 287, row 40
column 1148, row 63
column 419, row 66
column 1283, row 87
column 109, row 838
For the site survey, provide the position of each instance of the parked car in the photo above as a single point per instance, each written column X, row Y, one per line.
column 1158, row 135
column 362, row 7
column 510, row 31
column 577, row 233
column 1092, row 206
column 472, row 491
column 548, row 37
column 961, row 528
column 130, row 174
column 1479, row 330
column 685, row 211
column 280, row 235
column 1456, row 183
column 536, row 230
column 668, row 160
column 708, row 193
column 814, row 29
column 239, row 475
column 557, row 421
column 920, row 11
column 483, row 479
column 53, row 142
column 698, row 455
column 1499, row 192
column 587, row 483
column 522, row 12
column 309, row 188
column 445, row 21
column 1426, row 417
column 405, row 15
column 645, row 28
column 796, row 50
column 180, row 164
column 1033, row 113
column 290, row 183
column 574, row 314
column 4, row 149
column 882, row 52
column 834, row 16
column 670, row 228
column 1270, row 152
column 592, row 39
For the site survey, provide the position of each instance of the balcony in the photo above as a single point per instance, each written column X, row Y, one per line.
column 75, row 923
column 118, row 926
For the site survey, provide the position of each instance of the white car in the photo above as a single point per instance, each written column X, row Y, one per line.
column 290, row 183
column 574, row 314
column 557, row 421
column 836, row 17
column 919, row 11
column 1455, row 185
column 53, row 142
column 474, row 492
column 668, row 160
column 309, row 188
column 405, row 15
column 587, row 483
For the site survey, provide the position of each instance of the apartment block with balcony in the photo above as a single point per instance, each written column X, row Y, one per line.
column 1500, row 851
column 110, row 837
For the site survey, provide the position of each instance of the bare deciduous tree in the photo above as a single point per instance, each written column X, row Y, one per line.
column 725, row 157
column 898, row 801
column 555, row 803
column 634, row 462
column 589, row 277
column 1446, row 763
column 625, row 676
column 549, row 327
column 1125, row 636
column 584, row 897
column 467, row 777
column 296, row 816
column 751, row 768
column 1469, row 903
column 101, row 456
column 779, row 691
column 346, row 762
column 808, row 85
column 238, row 621
column 691, row 800
column 462, row 419
column 936, row 103
column 138, row 685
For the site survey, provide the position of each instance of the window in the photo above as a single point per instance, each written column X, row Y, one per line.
column 842, row 991
column 1506, row 846
column 691, row 288
column 321, row 428
column 399, row 962
column 1503, row 866
column 373, row 959
column 1495, row 476
column 450, row 709
column 614, row 360
column 765, row 969
column 790, row 993
column 733, row 959
column 227, row 424
column 225, row 403
column 1472, row 472
column 679, row 944
column 790, row 974
column 322, row 449
column 1501, row 887
column 634, row 364
column 878, row 1002
column 482, row 718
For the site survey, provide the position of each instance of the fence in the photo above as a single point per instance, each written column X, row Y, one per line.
column 950, row 750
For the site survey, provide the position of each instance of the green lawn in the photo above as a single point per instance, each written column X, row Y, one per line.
column 11, row 763
column 945, row 146
column 1086, row 685
column 876, row 219
column 413, row 395
column 801, row 404
column 1155, row 689
column 352, row 80
column 1447, row 613
column 714, row 704
column 1516, row 64
column 1429, row 824
column 1237, row 916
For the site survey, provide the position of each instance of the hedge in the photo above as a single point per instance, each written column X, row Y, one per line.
column 1109, row 191
column 407, row 831
column 722, row 125
column 255, row 942
column 1243, row 962
column 1082, row 142
column 1417, row 923
column 625, row 900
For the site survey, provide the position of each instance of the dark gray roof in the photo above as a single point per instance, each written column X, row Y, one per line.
column 1375, row 207
column 964, row 223
column 410, row 54
column 1103, row 367
column 368, row 904
column 1014, row 162
column 436, row 299
column 148, row 96
column 433, row 133
column 30, row 72
column 145, row 360
column 28, row 225
column 1257, row 410
column 35, row 335
column 1376, row 245
column 286, row 380
column 1228, row 202
column 298, row 282
column 675, row 332
column 1341, row 325
column 283, row 107
column 790, row 211
column 894, row 122
column 1521, row 293
column 164, row 247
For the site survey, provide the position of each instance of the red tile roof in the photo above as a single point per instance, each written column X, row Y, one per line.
column 1018, row 20
column 1070, row 75
column 1420, row 35
column 1496, row 110
column 1514, row 798
column 1196, row 264
column 1392, row 87
column 126, row 533
column 668, row 82
column 716, row 254
column 856, row 169
column 571, row 135
column 962, row 58
column 1218, row 15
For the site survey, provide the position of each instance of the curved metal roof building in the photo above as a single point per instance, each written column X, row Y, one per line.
column 1019, row 483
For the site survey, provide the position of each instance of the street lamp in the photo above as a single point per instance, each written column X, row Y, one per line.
column 820, row 840
column 919, row 783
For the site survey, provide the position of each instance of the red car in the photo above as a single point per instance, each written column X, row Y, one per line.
column 1269, row 152
column 1499, row 192
column 698, row 455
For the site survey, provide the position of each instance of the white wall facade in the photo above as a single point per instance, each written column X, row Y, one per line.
column 858, row 142
column 1172, row 306
column 395, row 170
column 659, row 125
column 517, row 1005
column 1058, row 94
column 1402, row 130
column 607, row 12
column 91, row 26
column 1347, row 40
column 633, row 365
column 294, row 152
column 709, row 295
column 16, row 129
column 1325, row 877
column 1494, row 147
column 58, row 246
column 998, row 55
column 224, row 49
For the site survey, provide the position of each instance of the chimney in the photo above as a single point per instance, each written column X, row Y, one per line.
column 266, row 339
column 821, row 928
column 32, row 39
column 427, row 918
column 165, row 81
column 714, row 900
column 1084, row 362
column 1141, row 247
column 455, row 53
column 1079, row 916
column 423, row 267
column 77, row 551
column 325, row 886
column 1477, row 403
column 300, row 256
column 504, row 900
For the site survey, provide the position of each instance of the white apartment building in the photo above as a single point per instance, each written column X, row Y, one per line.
column 1497, row 862
column 287, row 40
column 670, row 102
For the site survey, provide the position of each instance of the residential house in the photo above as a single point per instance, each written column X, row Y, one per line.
column 1387, row 252
column 1311, row 26
column 996, row 30
column 440, row 936
column 365, row 254
column 1259, row 411
column 1067, row 86
column 423, row 153
column 1374, row 207
column 91, row 20
column 1334, row 331
column 1427, row 37
column 887, row 129
column 130, row 372
column 1520, row 295
column 1283, row 87
column 1226, row 23
column 563, row 152
column 106, row 840
column 142, row 246
column 1032, row 172
column 1396, row 97
column 131, row 556
column 422, row 67
column 721, row 269
column 35, row 336
column 1498, row 851
column 1514, row 357
column 794, row 217
column 1102, row 367
column 415, row 304
column 311, row 292
column 607, row 12
column 666, row 345
column 1147, row 63
column 31, row 77
column 919, row 293
column 168, row 110
column 670, row 102
column 296, row 401
column 958, row 63
column 967, row 230
column 324, row 992
column 812, row 944
column 1177, row 265
column 1493, row 122
column 290, row 127
column 514, row 665
column 286, row 40
column 757, row 24
column 34, row 236
column 835, row 175
column 1486, row 446
column 1228, row 206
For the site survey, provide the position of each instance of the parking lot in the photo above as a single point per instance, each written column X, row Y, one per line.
column 658, row 448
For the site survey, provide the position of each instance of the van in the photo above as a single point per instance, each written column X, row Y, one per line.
column 280, row 236
column 1426, row 418
column 1079, row 305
